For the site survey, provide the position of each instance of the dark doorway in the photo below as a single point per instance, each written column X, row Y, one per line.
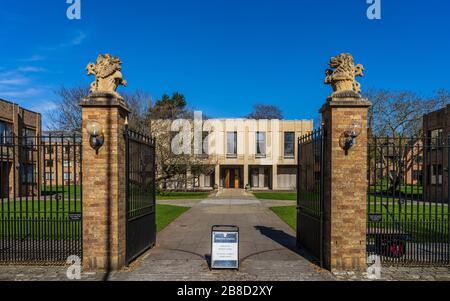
column 5, row 169
column 232, row 177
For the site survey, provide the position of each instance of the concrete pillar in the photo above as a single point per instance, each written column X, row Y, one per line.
column 201, row 181
column 345, row 185
column 189, row 179
column 245, row 175
column 217, row 175
column 104, row 191
column 261, row 177
column 275, row 177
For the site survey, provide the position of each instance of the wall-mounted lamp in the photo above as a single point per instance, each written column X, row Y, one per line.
column 96, row 139
column 348, row 138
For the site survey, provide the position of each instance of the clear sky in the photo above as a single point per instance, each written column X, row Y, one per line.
column 223, row 55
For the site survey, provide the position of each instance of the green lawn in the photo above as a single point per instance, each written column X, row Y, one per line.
column 412, row 191
column 67, row 190
column 165, row 214
column 409, row 209
column 288, row 214
column 287, row 196
column 50, row 220
column 421, row 224
column 182, row 195
column 420, row 221
column 39, row 208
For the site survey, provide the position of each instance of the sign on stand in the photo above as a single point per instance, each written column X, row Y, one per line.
column 225, row 247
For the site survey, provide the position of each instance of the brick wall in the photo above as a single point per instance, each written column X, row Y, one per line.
column 345, row 193
column 104, row 188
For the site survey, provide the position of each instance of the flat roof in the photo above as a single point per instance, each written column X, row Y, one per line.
column 16, row 104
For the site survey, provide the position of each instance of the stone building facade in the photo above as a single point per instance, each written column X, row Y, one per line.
column 257, row 154
column 61, row 152
column 436, row 129
column 18, row 165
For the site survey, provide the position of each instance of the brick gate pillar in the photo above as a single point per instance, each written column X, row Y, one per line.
column 104, row 191
column 345, row 173
column 345, row 185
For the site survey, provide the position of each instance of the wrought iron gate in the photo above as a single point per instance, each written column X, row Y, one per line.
column 140, row 194
column 310, row 194
column 40, row 198
column 408, row 199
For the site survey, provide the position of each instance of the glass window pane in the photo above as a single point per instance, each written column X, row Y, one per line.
column 260, row 143
column 5, row 132
column 231, row 143
column 289, row 148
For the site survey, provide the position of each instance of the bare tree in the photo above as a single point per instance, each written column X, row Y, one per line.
column 67, row 114
column 172, row 167
column 139, row 103
column 261, row 111
column 397, row 117
column 399, row 114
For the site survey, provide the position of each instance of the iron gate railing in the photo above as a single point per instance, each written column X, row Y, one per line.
column 408, row 200
column 40, row 198
column 310, row 194
column 141, row 193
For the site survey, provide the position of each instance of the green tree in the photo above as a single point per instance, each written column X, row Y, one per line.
column 169, row 107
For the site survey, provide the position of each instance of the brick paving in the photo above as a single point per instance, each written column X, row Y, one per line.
column 267, row 250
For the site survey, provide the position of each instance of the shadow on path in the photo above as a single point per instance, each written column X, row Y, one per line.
column 286, row 240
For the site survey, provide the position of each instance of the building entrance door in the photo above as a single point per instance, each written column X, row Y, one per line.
column 227, row 178
column 236, row 178
column 232, row 178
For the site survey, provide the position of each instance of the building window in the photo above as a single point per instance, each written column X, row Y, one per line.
column 435, row 174
column 48, row 163
column 231, row 144
column 28, row 137
column 49, row 150
column 417, row 176
column 205, row 143
column 196, row 181
column 67, row 176
column 260, row 144
column 418, row 159
column 67, row 163
column 66, row 149
column 27, row 173
column 289, row 147
column 49, row 176
column 208, row 179
column 5, row 133
column 435, row 137
column 255, row 177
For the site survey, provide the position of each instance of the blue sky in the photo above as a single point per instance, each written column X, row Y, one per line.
column 224, row 55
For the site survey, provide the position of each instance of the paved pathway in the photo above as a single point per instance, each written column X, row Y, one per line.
column 267, row 249
column 267, row 245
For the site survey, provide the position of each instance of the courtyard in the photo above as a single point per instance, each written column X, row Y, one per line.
column 225, row 141
column 268, row 250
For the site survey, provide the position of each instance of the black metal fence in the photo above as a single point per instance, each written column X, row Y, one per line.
column 40, row 198
column 408, row 200
column 310, row 194
column 141, row 193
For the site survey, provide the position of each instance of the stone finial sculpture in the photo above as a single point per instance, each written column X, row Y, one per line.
column 108, row 74
column 342, row 78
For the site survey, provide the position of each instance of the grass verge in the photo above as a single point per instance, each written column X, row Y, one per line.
column 165, row 214
column 288, row 214
column 182, row 195
column 285, row 196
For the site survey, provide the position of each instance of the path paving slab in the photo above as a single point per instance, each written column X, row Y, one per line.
column 267, row 250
